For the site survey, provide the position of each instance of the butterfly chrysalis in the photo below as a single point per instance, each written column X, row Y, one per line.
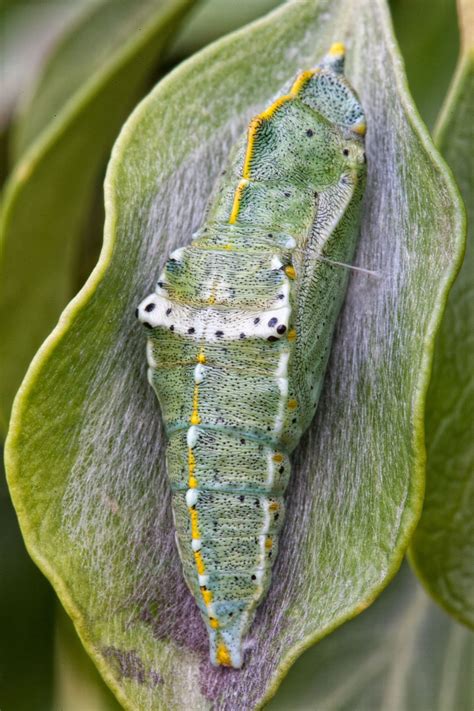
column 239, row 333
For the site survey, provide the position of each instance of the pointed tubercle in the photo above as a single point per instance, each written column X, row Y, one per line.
column 335, row 57
column 337, row 49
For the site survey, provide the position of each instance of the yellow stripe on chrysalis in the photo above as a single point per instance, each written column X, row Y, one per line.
column 253, row 128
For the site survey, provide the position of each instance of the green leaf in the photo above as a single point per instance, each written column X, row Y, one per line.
column 28, row 30
column 78, row 684
column 86, row 57
column 429, row 41
column 403, row 654
column 443, row 546
column 85, row 448
column 215, row 18
column 26, row 620
column 70, row 127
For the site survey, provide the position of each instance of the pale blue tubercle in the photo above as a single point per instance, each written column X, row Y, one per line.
column 240, row 329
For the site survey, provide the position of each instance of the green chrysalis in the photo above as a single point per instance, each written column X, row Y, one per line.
column 240, row 330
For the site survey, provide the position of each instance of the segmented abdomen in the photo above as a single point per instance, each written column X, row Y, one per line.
column 221, row 372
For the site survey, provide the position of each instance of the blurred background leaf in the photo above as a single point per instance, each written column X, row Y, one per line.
column 427, row 32
column 402, row 654
column 28, row 31
column 213, row 19
column 443, row 546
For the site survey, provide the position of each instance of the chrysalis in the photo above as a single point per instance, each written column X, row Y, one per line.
column 240, row 330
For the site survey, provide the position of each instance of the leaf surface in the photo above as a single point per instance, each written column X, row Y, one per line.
column 85, row 451
column 429, row 50
column 215, row 18
column 403, row 654
column 28, row 30
column 85, row 56
column 443, row 546
column 78, row 684
column 64, row 138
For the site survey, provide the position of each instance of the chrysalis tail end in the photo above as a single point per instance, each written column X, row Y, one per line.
column 225, row 645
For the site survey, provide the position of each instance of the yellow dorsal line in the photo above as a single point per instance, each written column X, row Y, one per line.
column 192, row 482
column 254, row 125
column 195, row 419
column 273, row 108
column 301, row 81
column 237, row 199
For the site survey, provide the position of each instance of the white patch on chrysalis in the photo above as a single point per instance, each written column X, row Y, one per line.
column 177, row 255
column 281, row 374
column 267, row 520
column 283, row 386
column 282, row 369
column 192, row 436
column 262, row 539
column 290, row 243
column 196, row 544
column 280, row 417
column 191, row 497
column 213, row 324
column 270, row 468
column 147, row 306
column 285, row 291
column 198, row 373
column 276, row 262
